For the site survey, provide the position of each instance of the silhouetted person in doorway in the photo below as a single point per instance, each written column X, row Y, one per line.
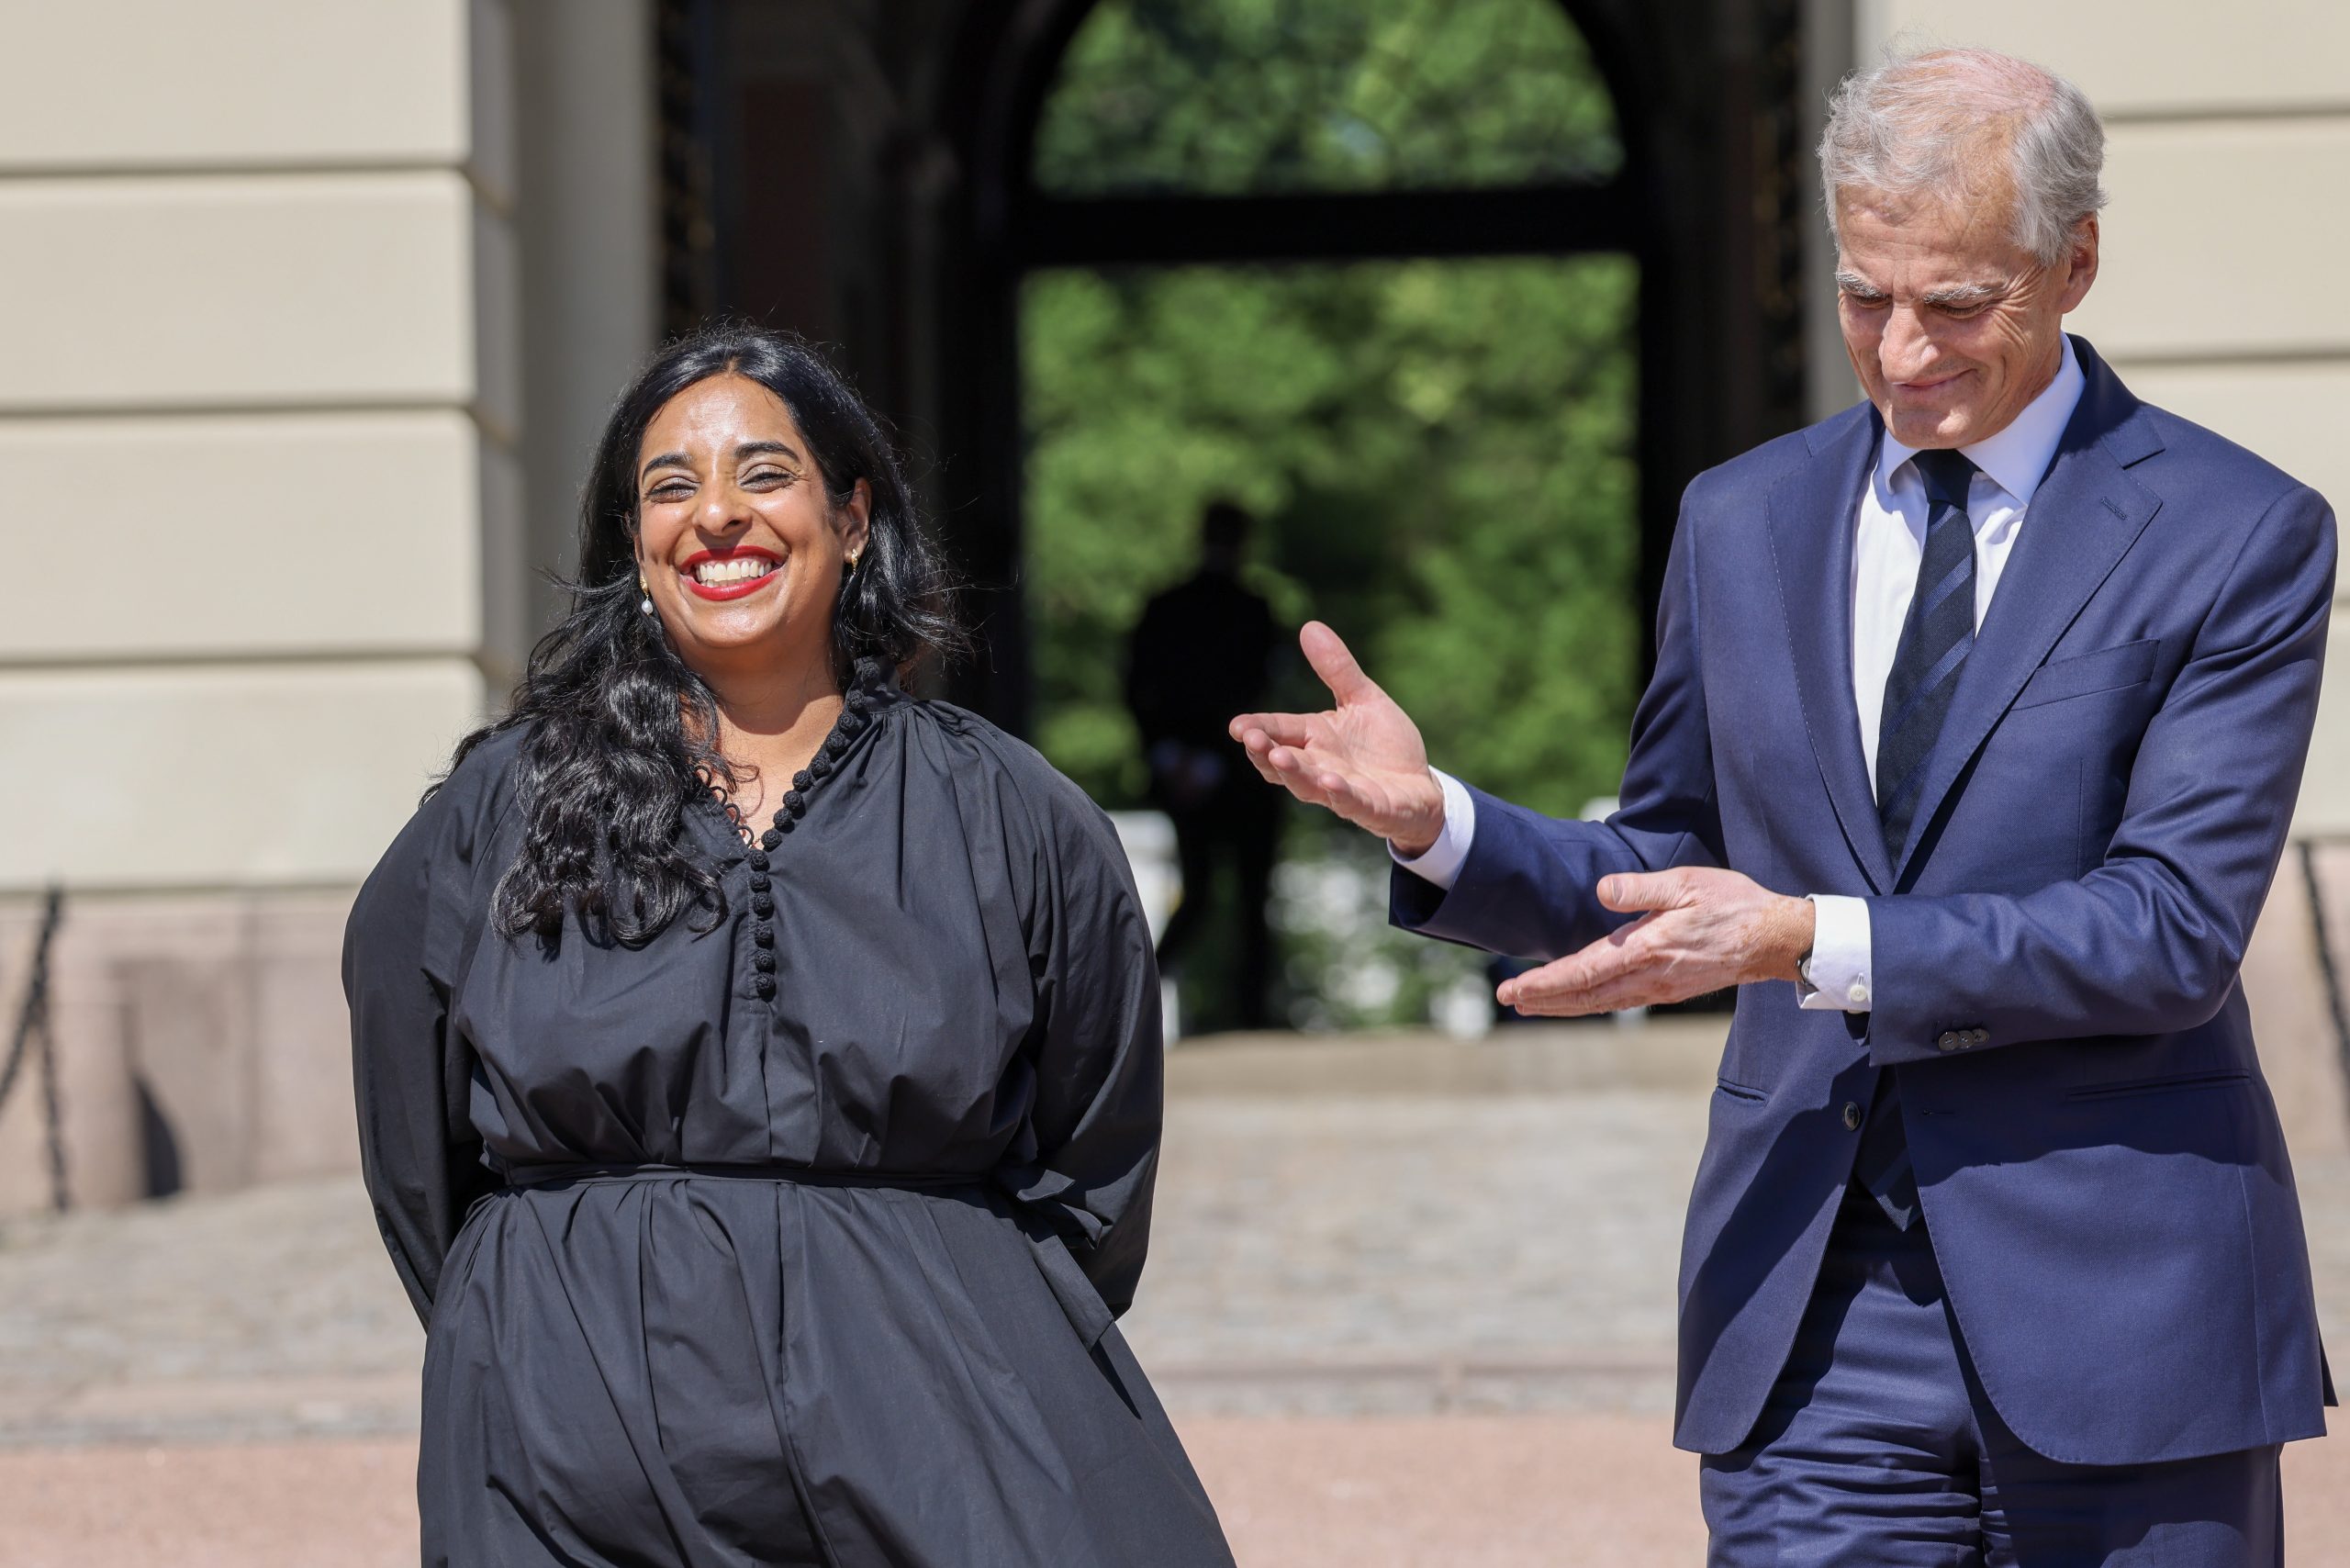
column 1203, row 652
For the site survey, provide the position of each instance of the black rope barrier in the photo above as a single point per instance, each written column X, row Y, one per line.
column 32, row 1025
column 2336, row 1006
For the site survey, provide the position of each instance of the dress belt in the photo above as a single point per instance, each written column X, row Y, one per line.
column 553, row 1175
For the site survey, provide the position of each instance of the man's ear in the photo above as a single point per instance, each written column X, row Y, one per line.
column 2083, row 270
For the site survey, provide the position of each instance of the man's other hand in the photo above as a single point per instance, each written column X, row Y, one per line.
column 1700, row 930
column 1362, row 759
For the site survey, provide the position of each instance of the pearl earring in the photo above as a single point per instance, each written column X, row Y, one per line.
column 645, row 605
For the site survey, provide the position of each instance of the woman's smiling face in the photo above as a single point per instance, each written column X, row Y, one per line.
column 741, row 549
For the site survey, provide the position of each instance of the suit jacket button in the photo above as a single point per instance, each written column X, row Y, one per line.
column 1851, row 1115
column 1948, row 1041
column 1978, row 1036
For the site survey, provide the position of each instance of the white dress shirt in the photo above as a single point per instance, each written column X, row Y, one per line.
column 1888, row 540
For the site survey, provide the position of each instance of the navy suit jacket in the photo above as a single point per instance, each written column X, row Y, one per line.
column 2056, row 950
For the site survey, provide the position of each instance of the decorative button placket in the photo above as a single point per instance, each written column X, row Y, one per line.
column 787, row 813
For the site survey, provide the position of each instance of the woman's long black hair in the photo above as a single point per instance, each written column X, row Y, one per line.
column 621, row 734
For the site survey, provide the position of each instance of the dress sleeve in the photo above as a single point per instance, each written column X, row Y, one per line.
column 1100, row 1072
column 412, row 1075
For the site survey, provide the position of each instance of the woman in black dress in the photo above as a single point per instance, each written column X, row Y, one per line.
column 759, row 1069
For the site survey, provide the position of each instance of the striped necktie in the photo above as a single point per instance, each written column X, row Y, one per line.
column 1935, row 641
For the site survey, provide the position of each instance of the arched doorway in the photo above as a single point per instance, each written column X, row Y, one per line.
column 1233, row 288
column 865, row 173
column 1703, row 191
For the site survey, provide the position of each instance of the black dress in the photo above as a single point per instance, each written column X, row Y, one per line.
column 797, row 1239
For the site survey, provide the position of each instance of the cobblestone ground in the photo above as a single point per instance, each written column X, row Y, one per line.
column 1397, row 1255
column 1410, row 1302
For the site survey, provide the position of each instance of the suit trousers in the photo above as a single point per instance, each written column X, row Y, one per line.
column 1879, row 1448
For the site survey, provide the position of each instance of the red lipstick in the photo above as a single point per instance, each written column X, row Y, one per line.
column 735, row 587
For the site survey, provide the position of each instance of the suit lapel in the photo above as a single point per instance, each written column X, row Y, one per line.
column 2083, row 519
column 1811, row 512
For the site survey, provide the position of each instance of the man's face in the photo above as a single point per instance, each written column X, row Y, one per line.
column 1952, row 326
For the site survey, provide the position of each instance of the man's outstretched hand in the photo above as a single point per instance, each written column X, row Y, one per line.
column 1362, row 759
column 1700, row 930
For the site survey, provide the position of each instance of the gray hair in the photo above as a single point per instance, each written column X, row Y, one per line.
column 1933, row 123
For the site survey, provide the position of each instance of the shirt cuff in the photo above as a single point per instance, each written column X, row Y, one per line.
column 1442, row 864
column 1840, row 956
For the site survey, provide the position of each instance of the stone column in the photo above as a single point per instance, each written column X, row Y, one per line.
column 260, row 408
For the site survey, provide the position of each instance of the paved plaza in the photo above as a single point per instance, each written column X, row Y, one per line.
column 1410, row 1300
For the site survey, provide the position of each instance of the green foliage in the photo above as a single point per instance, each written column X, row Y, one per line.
column 1348, row 968
column 1441, row 452
column 1232, row 96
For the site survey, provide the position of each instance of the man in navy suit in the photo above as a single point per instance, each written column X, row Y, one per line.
column 1978, row 721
